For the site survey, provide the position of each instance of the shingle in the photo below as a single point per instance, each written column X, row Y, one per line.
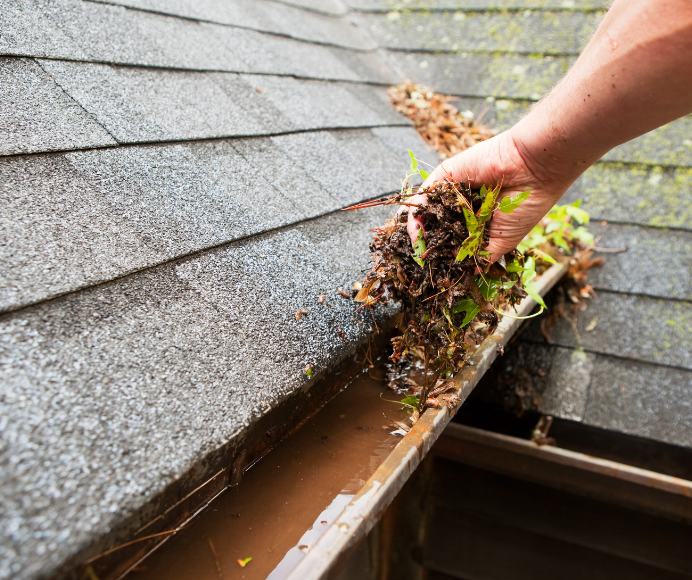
column 110, row 212
column 528, row 32
column 287, row 176
column 670, row 144
column 82, row 218
column 333, row 7
column 76, row 30
column 483, row 75
column 639, row 194
column 36, row 115
column 351, row 170
column 634, row 327
column 138, row 105
column 265, row 16
column 387, row 5
column 555, row 378
column 657, row 262
column 110, row 394
column 641, row 399
column 315, row 104
column 567, row 384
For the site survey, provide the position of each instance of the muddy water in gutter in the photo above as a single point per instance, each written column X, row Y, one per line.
column 288, row 499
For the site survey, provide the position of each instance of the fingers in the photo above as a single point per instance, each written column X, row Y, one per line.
column 414, row 224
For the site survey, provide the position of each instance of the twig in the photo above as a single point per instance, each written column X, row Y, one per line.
column 609, row 250
column 102, row 554
column 216, row 559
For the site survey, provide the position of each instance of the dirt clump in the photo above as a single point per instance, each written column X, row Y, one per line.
column 450, row 293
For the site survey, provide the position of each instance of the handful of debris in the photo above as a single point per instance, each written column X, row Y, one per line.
column 450, row 294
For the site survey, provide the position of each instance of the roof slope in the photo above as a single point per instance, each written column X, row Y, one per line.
column 170, row 180
column 501, row 56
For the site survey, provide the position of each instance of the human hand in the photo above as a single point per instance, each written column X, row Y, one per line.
column 500, row 159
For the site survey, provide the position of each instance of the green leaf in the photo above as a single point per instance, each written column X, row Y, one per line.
column 544, row 256
column 508, row 205
column 488, row 206
column 424, row 174
column 515, row 266
column 411, row 401
column 489, row 287
column 472, row 224
column 578, row 214
column 427, row 316
column 559, row 241
column 532, row 290
column 584, row 235
column 469, row 247
column 419, row 248
column 529, row 270
column 414, row 163
column 473, row 242
column 470, row 307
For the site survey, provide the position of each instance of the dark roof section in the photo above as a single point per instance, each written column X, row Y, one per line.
column 636, row 370
column 94, row 32
column 170, row 187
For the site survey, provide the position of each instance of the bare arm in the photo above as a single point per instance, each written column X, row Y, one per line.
column 634, row 75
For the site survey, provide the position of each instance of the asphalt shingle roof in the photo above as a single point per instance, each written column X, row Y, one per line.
column 169, row 196
column 162, row 220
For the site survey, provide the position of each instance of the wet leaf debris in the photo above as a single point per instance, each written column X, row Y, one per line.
column 450, row 293
column 440, row 123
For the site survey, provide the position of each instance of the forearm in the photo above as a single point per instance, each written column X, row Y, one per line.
column 634, row 75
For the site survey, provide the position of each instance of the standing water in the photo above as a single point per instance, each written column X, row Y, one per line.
column 289, row 498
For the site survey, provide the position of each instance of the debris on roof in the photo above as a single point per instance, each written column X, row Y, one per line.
column 441, row 124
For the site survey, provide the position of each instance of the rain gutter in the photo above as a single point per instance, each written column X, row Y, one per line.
column 331, row 551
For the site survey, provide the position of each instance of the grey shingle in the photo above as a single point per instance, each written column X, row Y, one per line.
column 387, row 5
column 81, row 218
column 153, row 105
column 265, row 16
column 528, row 32
column 349, row 169
column 657, row 262
column 567, row 384
column 333, row 7
column 36, row 115
column 110, row 394
column 483, row 75
column 77, row 30
column 667, row 145
column 635, row 327
column 640, row 399
column 640, row 194
column 556, row 379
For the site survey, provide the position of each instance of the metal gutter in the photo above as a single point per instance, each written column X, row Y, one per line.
column 332, row 550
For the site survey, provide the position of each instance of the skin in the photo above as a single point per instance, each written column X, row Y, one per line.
column 634, row 75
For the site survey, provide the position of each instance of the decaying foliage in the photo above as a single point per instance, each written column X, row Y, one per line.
column 440, row 123
column 449, row 292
